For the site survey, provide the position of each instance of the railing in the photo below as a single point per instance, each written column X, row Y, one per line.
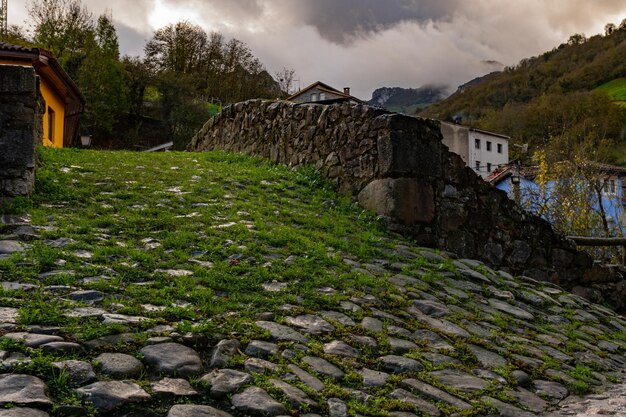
column 601, row 241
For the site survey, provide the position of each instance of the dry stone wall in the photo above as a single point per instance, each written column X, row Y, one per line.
column 20, row 127
column 397, row 166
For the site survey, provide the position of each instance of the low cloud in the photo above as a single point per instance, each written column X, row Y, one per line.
column 366, row 44
column 348, row 21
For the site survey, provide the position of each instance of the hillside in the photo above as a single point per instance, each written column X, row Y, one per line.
column 551, row 95
column 407, row 100
column 213, row 284
column 616, row 90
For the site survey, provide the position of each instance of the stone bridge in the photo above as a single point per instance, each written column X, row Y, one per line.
column 398, row 167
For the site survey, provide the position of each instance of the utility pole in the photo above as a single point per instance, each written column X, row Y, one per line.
column 3, row 20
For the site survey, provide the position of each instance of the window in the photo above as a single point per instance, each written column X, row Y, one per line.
column 477, row 165
column 476, row 143
column 612, row 186
column 489, row 146
column 50, row 124
column 499, row 148
column 314, row 97
column 322, row 96
column 488, row 165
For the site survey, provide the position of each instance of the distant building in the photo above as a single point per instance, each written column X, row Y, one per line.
column 613, row 180
column 480, row 150
column 319, row 92
column 64, row 101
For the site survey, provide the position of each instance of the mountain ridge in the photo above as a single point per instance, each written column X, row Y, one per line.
column 408, row 100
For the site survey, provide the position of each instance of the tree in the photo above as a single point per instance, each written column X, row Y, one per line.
column 569, row 186
column 138, row 76
column 101, row 79
column 217, row 68
column 182, row 112
column 64, row 27
column 577, row 39
column 285, row 79
column 189, row 68
column 609, row 29
column 179, row 47
column 16, row 36
column 106, row 37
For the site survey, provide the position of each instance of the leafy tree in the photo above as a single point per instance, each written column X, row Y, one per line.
column 101, row 79
column 609, row 29
column 178, row 47
column 577, row 39
column 64, row 27
column 138, row 76
column 570, row 183
column 183, row 113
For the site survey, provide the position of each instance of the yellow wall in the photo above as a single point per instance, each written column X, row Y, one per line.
column 53, row 101
column 58, row 106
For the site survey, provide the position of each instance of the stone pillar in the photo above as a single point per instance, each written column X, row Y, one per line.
column 20, row 130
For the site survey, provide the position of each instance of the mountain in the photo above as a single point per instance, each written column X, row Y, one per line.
column 408, row 100
column 475, row 81
column 578, row 65
column 553, row 95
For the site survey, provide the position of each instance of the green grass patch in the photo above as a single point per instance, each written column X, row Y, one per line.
column 616, row 89
column 230, row 222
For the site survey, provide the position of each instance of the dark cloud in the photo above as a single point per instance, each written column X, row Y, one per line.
column 132, row 41
column 366, row 44
column 345, row 21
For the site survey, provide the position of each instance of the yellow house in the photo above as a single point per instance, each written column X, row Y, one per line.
column 64, row 102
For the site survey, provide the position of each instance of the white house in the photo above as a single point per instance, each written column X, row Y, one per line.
column 480, row 150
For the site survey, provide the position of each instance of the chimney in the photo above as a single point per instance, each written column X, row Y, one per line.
column 346, row 90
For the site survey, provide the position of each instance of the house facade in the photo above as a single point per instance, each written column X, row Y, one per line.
column 319, row 92
column 612, row 178
column 64, row 103
column 481, row 150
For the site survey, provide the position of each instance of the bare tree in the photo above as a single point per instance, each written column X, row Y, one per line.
column 285, row 79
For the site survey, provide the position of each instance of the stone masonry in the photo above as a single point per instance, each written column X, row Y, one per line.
column 20, row 125
column 399, row 168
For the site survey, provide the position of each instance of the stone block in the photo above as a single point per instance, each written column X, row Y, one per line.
column 407, row 153
column 521, row 252
column 17, row 80
column 462, row 243
column 599, row 274
column 493, row 253
column 19, row 126
column 407, row 200
column 452, row 216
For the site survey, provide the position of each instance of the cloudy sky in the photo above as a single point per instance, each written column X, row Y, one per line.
column 366, row 44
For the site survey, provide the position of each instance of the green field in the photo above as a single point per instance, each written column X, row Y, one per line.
column 616, row 90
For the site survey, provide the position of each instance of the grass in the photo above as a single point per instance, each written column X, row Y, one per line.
column 189, row 240
column 616, row 90
column 137, row 214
